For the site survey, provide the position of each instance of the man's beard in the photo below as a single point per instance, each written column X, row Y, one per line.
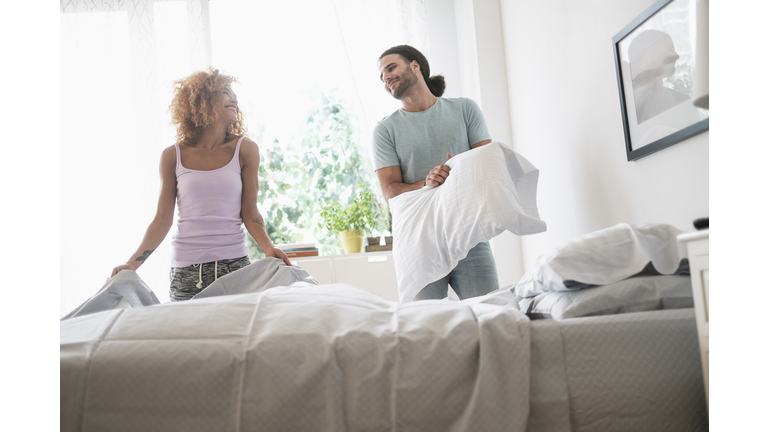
column 408, row 79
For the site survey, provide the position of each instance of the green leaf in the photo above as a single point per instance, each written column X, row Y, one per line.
column 320, row 166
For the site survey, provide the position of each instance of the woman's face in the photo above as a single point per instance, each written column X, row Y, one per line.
column 226, row 106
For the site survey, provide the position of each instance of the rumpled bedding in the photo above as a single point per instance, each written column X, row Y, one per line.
column 604, row 257
column 124, row 290
column 338, row 358
column 258, row 276
column 127, row 290
column 490, row 189
column 305, row 357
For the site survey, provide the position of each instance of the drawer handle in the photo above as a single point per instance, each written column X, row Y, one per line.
column 375, row 259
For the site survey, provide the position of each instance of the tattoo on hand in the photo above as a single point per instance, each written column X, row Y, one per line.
column 259, row 221
column 145, row 255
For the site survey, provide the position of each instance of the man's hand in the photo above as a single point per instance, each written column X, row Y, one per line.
column 437, row 176
column 277, row 253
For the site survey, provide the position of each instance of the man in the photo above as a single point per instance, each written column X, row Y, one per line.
column 412, row 144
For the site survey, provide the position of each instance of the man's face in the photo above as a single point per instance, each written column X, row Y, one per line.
column 397, row 76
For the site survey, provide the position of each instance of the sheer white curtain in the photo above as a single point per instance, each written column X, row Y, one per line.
column 369, row 28
column 118, row 61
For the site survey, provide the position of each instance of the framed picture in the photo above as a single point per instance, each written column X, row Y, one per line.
column 655, row 61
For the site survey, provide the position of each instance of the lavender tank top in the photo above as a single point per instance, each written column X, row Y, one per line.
column 210, row 225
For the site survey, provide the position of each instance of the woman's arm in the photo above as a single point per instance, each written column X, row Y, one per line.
column 163, row 220
column 254, row 223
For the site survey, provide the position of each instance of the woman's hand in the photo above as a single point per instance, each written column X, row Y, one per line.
column 277, row 253
column 119, row 268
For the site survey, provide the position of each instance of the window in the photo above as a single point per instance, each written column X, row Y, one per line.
column 296, row 90
column 118, row 59
column 308, row 87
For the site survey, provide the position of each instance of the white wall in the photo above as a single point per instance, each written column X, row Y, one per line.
column 565, row 118
column 488, row 48
column 443, row 53
column 468, row 49
column 543, row 73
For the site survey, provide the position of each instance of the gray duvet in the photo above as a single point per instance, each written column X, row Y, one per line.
column 337, row 358
column 299, row 358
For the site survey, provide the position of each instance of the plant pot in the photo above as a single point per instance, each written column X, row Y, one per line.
column 374, row 241
column 352, row 240
column 388, row 240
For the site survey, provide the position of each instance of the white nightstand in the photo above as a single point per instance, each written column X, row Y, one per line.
column 372, row 271
column 698, row 256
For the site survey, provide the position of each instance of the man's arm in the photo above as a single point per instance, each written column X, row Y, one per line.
column 391, row 178
column 440, row 173
column 391, row 181
column 480, row 144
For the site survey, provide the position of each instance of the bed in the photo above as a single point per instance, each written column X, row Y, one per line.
column 599, row 335
column 308, row 357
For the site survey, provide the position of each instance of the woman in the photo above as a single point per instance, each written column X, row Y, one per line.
column 212, row 172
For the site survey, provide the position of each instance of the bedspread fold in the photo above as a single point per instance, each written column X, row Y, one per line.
column 315, row 358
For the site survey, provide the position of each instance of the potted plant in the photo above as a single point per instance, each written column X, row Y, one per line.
column 383, row 222
column 350, row 222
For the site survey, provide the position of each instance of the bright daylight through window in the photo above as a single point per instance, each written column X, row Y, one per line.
column 295, row 93
column 308, row 89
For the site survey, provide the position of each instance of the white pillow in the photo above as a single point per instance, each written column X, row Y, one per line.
column 490, row 189
column 637, row 294
column 603, row 257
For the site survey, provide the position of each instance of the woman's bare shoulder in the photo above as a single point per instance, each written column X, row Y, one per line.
column 246, row 141
column 249, row 153
column 168, row 157
column 170, row 150
column 249, row 146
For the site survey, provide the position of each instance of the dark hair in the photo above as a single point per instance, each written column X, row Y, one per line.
column 436, row 83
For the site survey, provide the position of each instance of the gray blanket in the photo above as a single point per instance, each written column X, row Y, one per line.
column 127, row 290
column 303, row 358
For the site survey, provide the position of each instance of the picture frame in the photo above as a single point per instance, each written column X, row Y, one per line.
column 655, row 58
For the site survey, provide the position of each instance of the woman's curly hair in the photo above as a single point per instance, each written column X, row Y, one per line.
column 192, row 105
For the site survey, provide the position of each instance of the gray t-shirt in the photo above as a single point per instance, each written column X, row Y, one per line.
column 419, row 141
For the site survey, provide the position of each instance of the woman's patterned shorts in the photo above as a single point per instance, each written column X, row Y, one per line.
column 186, row 282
